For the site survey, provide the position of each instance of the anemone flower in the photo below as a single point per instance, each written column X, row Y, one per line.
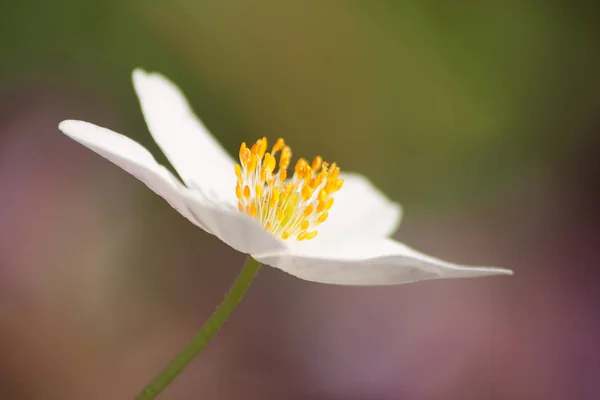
column 316, row 223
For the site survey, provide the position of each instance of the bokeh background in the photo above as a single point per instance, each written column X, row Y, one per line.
column 481, row 118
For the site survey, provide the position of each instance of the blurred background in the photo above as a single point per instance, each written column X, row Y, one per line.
column 481, row 118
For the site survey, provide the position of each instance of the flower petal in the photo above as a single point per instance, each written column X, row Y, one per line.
column 360, row 210
column 133, row 158
column 369, row 262
column 231, row 226
column 198, row 158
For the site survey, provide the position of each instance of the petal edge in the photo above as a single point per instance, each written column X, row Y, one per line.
column 196, row 155
column 372, row 262
column 133, row 158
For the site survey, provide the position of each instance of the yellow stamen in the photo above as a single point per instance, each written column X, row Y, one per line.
column 323, row 217
column 278, row 145
column 329, row 204
column 322, row 195
column 262, row 147
column 316, row 164
column 308, row 210
column 285, row 207
column 321, row 207
column 282, row 175
column 304, row 225
column 306, row 192
column 301, row 236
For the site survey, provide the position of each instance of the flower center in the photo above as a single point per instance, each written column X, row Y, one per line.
column 291, row 207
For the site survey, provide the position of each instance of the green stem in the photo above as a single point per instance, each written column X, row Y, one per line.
column 210, row 328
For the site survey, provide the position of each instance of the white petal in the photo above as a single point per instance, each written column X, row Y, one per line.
column 133, row 158
column 360, row 210
column 198, row 158
column 369, row 262
column 231, row 226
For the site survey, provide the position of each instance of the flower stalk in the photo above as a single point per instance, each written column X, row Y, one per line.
column 210, row 328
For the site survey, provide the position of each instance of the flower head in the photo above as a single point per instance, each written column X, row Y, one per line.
column 313, row 222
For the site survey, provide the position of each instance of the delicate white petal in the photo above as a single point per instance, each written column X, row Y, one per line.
column 133, row 158
column 369, row 262
column 360, row 210
column 196, row 155
column 227, row 223
column 236, row 229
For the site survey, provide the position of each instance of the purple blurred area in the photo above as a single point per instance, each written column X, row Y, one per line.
column 102, row 283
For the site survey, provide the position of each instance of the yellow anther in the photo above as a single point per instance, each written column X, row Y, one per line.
column 330, row 186
column 308, row 210
column 270, row 162
column 307, row 173
column 274, row 197
column 323, row 217
column 247, row 191
column 268, row 226
column 322, row 195
column 311, row 235
column 253, row 162
column 304, row 225
column 301, row 236
column 280, row 215
column 286, row 155
column 278, row 145
column 286, row 235
column 306, row 192
column 238, row 191
column 259, row 191
column 269, row 178
column 300, row 165
column 319, row 179
column 265, row 161
column 321, row 207
column 238, row 171
column 316, row 164
column 329, row 203
column 241, row 207
column 333, row 170
column 251, row 210
column 243, row 149
column 262, row 147
column 339, row 184
column 282, row 175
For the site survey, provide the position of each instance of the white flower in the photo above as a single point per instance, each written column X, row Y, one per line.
column 260, row 212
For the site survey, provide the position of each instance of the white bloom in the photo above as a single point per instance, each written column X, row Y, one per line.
column 260, row 212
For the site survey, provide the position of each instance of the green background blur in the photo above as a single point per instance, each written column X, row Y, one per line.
column 481, row 118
